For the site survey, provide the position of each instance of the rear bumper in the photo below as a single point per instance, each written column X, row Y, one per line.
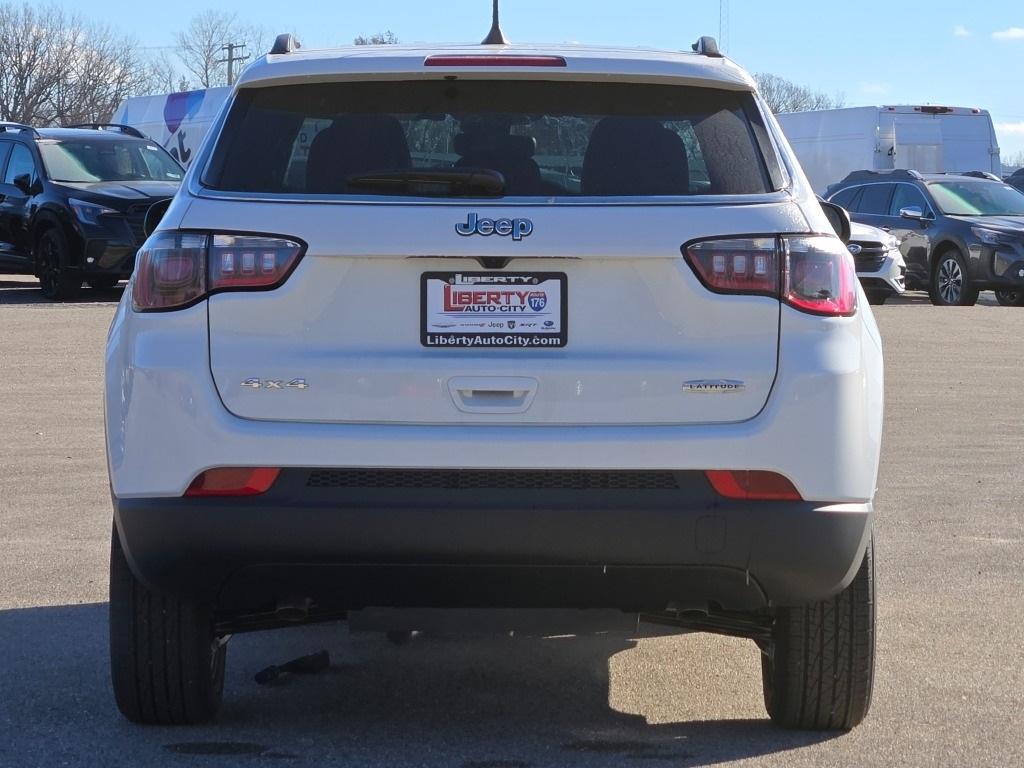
column 493, row 544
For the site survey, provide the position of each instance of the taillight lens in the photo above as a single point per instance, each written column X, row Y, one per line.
column 820, row 277
column 170, row 271
column 752, row 485
column 812, row 273
column 233, row 481
column 175, row 269
column 744, row 265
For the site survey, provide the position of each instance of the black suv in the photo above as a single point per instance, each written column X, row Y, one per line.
column 959, row 233
column 73, row 202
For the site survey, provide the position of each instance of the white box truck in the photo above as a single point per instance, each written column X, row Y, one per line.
column 830, row 143
column 177, row 121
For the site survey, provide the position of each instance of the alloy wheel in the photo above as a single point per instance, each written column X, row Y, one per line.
column 951, row 281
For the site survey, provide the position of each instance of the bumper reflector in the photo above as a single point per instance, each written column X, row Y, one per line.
column 752, row 485
column 233, row 481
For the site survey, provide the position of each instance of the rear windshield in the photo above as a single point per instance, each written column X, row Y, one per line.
column 544, row 138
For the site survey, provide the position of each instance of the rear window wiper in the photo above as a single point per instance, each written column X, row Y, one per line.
column 432, row 182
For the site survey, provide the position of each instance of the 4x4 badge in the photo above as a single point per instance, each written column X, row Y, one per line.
column 255, row 383
column 474, row 225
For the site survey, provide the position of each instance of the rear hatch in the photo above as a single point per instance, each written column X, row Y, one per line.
column 427, row 297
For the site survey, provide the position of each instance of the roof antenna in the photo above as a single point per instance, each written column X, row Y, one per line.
column 495, row 36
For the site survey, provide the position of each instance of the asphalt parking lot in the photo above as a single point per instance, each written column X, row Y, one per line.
column 950, row 553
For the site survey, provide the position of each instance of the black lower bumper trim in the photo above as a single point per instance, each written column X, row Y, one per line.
column 593, row 543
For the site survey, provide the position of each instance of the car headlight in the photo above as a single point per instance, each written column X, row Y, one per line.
column 989, row 236
column 891, row 243
column 89, row 213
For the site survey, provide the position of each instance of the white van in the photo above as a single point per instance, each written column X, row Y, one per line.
column 177, row 121
column 831, row 143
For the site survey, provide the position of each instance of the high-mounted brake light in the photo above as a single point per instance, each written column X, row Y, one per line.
column 494, row 60
column 233, row 481
column 176, row 269
column 752, row 485
column 811, row 273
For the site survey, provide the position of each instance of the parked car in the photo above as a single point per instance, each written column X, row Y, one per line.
column 73, row 202
column 959, row 233
column 504, row 339
column 880, row 265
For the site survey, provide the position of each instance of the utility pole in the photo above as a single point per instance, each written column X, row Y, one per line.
column 232, row 57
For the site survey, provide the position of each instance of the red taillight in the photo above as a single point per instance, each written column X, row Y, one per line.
column 752, row 485
column 176, row 269
column 233, row 481
column 239, row 261
column 812, row 273
column 743, row 265
column 820, row 276
column 497, row 60
column 170, row 271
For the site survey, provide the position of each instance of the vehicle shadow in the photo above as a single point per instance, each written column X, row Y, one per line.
column 472, row 703
column 26, row 291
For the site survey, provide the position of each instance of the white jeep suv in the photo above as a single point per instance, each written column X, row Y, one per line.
column 494, row 334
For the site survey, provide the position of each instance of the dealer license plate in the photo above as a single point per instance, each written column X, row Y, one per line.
column 493, row 309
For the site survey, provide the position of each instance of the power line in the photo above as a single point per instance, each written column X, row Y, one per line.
column 232, row 58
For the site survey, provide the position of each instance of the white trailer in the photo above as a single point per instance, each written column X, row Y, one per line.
column 830, row 143
column 178, row 121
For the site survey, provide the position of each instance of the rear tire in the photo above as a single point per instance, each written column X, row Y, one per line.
column 57, row 282
column 166, row 665
column 1010, row 298
column 951, row 285
column 819, row 669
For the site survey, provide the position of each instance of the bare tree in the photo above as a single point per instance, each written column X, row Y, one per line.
column 387, row 37
column 99, row 69
column 162, row 75
column 55, row 68
column 29, row 64
column 782, row 95
column 201, row 45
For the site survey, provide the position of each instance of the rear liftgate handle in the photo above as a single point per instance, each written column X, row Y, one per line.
column 492, row 394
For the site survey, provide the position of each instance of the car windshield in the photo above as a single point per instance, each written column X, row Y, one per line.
column 544, row 138
column 80, row 161
column 977, row 198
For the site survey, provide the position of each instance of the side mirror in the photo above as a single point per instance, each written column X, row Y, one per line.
column 154, row 215
column 23, row 181
column 838, row 218
column 912, row 212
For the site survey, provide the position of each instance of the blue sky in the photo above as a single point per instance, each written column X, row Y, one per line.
column 873, row 52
